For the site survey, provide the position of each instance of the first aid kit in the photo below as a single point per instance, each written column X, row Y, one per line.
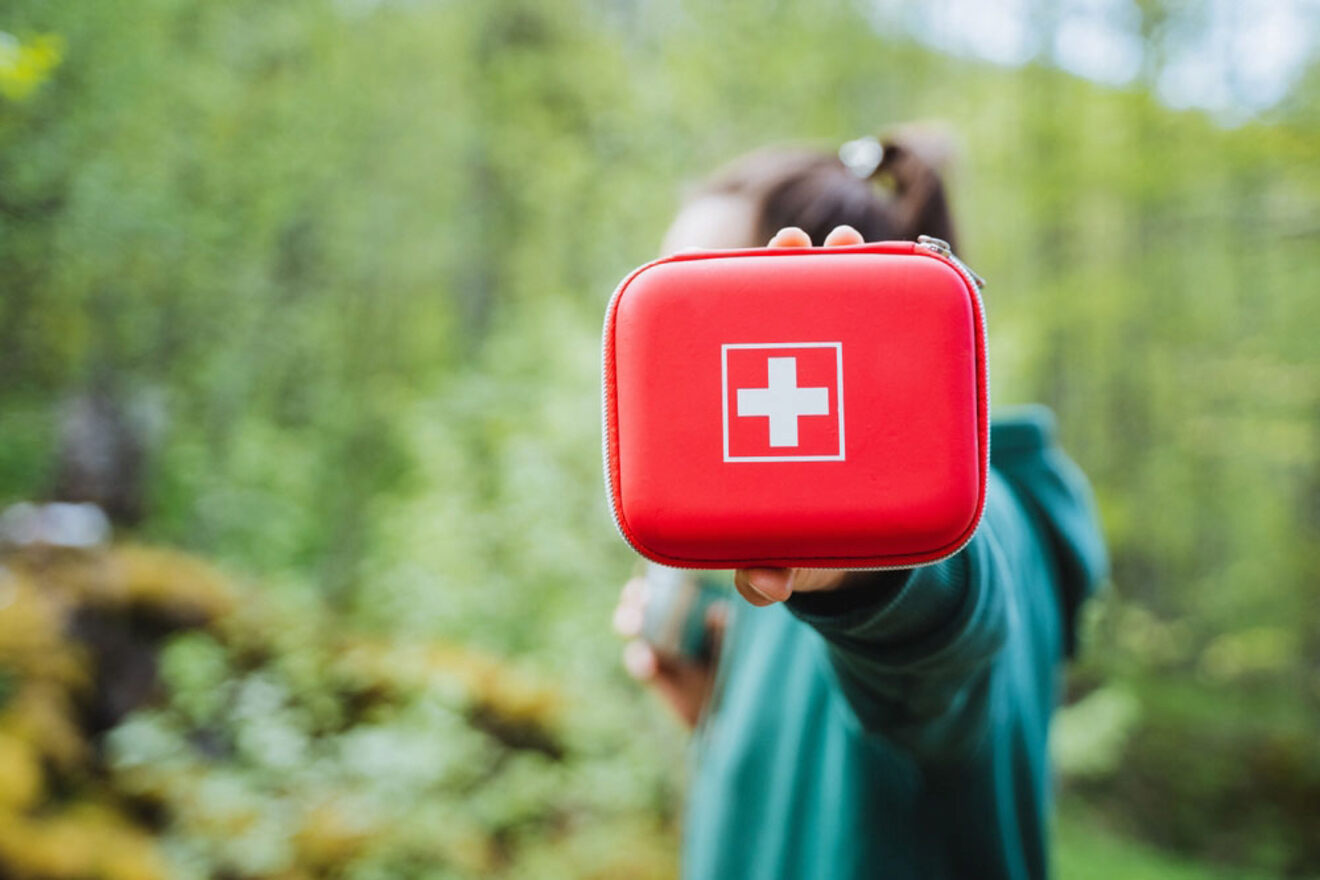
column 798, row 407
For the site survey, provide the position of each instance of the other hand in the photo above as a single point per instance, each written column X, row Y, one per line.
column 684, row 684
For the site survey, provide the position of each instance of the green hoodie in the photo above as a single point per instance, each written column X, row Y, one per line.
column 897, row 728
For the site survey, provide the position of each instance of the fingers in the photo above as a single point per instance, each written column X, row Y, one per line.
column 684, row 686
column 640, row 660
column 627, row 620
column 628, row 614
column 634, row 590
column 793, row 237
column 842, row 236
column 790, row 236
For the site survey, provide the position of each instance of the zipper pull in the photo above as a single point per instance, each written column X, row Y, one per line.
column 941, row 247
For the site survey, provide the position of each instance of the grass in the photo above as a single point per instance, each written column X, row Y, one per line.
column 1087, row 850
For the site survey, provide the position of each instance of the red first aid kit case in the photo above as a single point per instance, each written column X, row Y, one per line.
column 800, row 407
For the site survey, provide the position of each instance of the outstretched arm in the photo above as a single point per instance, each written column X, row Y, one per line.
column 913, row 648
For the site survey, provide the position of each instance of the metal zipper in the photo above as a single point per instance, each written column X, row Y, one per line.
column 944, row 249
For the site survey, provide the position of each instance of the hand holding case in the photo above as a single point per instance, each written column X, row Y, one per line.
column 798, row 407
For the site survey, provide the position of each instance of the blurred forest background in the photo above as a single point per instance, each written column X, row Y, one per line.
column 308, row 295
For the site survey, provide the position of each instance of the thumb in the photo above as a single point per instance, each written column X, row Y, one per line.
column 764, row 586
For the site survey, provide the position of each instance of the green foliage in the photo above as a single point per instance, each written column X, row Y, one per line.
column 289, row 743
column 1087, row 850
column 359, row 252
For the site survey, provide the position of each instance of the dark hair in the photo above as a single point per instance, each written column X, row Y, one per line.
column 903, row 198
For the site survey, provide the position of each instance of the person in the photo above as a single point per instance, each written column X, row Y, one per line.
column 879, row 723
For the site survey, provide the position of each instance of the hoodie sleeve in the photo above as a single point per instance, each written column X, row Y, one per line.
column 914, row 649
column 1058, row 500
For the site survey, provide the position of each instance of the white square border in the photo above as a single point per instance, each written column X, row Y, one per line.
column 724, row 400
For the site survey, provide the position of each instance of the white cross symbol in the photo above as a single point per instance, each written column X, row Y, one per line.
column 783, row 401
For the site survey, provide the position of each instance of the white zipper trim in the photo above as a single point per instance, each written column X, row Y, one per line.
column 611, row 491
column 934, row 246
